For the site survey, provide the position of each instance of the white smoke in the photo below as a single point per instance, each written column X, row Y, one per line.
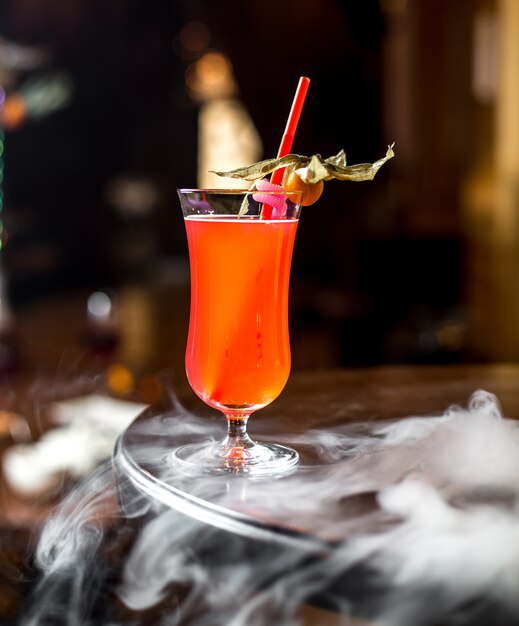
column 402, row 523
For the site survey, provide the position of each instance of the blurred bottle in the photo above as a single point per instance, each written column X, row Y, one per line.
column 9, row 352
column 227, row 136
column 102, row 333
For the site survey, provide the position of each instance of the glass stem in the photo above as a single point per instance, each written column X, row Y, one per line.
column 237, row 436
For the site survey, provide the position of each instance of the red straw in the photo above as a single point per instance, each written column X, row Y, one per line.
column 288, row 136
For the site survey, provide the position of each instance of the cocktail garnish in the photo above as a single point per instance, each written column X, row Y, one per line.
column 278, row 201
column 311, row 169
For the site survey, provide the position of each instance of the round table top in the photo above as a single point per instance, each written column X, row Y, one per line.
column 403, row 508
column 343, row 424
column 410, row 470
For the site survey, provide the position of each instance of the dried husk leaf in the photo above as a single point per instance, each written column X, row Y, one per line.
column 312, row 169
column 339, row 159
column 262, row 168
column 315, row 171
column 359, row 172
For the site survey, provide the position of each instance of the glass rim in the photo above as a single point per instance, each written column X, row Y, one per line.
column 242, row 192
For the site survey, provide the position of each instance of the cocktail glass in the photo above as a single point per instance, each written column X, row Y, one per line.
column 238, row 350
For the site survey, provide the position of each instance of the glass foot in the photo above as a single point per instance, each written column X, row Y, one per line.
column 260, row 459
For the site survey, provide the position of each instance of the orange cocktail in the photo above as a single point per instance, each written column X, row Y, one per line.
column 238, row 351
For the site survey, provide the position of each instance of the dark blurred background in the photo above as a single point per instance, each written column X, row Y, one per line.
column 101, row 122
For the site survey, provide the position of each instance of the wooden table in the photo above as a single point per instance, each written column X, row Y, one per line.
column 318, row 534
column 341, row 403
column 254, row 519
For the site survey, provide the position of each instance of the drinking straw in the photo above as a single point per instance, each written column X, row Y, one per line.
column 288, row 136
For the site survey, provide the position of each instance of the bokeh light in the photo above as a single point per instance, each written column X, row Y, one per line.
column 120, row 379
column 195, row 36
column 211, row 77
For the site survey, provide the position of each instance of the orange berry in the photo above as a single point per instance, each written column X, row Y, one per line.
column 311, row 193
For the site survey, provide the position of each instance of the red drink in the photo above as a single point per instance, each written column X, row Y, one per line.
column 238, row 352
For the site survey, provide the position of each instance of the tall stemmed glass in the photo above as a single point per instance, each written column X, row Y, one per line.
column 238, row 351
